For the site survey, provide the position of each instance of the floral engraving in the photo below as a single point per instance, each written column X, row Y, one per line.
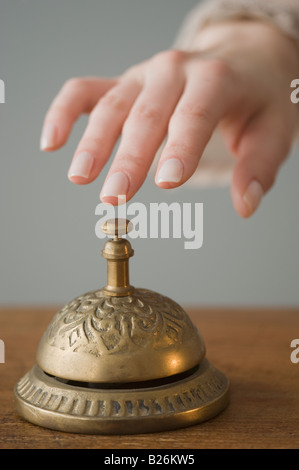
column 99, row 324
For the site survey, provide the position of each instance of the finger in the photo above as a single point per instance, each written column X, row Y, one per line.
column 262, row 148
column 207, row 97
column 145, row 127
column 103, row 130
column 77, row 96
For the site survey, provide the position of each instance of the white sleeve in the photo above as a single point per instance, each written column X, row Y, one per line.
column 282, row 13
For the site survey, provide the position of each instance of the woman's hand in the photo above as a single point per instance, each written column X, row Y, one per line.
column 236, row 78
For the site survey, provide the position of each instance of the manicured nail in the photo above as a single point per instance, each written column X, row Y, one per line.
column 170, row 172
column 81, row 165
column 49, row 137
column 116, row 185
column 253, row 196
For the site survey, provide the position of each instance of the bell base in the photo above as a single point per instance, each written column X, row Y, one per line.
column 49, row 402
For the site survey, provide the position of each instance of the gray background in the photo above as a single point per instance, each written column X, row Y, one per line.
column 49, row 251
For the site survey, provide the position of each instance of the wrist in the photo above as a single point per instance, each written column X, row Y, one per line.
column 247, row 37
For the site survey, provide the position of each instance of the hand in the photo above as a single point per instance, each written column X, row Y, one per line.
column 237, row 78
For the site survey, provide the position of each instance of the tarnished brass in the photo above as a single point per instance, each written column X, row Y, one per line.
column 121, row 360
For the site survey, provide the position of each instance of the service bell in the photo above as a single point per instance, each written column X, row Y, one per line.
column 121, row 360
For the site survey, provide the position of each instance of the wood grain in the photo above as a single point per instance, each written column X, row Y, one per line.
column 251, row 346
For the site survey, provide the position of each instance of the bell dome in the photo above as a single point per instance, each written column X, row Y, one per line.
column 102, row 338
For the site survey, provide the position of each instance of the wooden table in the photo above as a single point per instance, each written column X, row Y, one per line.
column 251, row 346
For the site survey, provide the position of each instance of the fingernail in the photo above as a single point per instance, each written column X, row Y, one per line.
column 49, row 136
column 81, row 165
column 171, row 171
column 116, row 185
column 253, row 196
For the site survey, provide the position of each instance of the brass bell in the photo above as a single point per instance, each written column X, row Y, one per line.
column 121, row 360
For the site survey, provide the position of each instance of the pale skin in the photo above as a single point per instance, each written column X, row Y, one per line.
column 237, row 79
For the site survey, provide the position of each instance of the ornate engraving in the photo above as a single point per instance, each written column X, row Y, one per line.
column 99, row 325
column 44, row 392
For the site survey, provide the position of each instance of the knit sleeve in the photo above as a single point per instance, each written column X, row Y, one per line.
column 282, row 13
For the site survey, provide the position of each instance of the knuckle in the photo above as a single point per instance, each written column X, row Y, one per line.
column 135, row 72
column 132, row 164
column 61, row 111
column 195, row 111
column 148, row 112
column 114, row 101
column 171, row 57
column 75, row 85
column 219, row 69
column 58, row 109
